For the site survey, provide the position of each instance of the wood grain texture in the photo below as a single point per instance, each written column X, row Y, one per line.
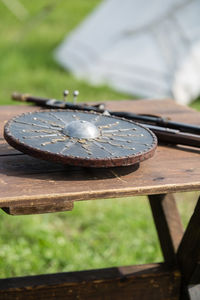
column 168, row 225
column 189, row 250
column 35, row 182
column 41, row 209
column 153, row 281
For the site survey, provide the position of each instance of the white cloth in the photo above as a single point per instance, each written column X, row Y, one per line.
column 140, row 47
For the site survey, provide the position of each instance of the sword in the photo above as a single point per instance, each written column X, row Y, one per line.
column 166, row 130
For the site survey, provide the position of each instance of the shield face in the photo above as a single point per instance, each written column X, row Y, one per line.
column 80, row 138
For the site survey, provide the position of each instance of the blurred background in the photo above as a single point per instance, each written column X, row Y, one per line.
column 95, row 234
column 28, row 41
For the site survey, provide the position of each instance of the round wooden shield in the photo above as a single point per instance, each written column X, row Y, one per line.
column 80, row 138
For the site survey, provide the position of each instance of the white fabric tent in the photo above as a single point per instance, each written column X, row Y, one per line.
column 146, row 48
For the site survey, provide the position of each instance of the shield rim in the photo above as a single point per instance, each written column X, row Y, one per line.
column 77, row 161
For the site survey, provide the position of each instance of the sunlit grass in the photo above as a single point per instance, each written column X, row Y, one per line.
column 26, row 52
column 95, row 234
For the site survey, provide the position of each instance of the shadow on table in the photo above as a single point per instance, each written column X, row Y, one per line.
column 26, row 166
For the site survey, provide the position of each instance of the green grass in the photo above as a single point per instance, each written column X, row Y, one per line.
column 196, row 104
column 26, row 52
column 95, row 234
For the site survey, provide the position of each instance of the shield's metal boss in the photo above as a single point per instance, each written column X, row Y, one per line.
column 80, row 138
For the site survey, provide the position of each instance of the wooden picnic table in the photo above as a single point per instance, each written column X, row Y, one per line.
column 32, row 186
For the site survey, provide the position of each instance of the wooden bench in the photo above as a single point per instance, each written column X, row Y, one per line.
column 37, row 186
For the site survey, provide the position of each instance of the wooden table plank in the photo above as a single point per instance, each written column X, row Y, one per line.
column 35, row 182
column 168, row 224
column 153, row 281
column 189, row 250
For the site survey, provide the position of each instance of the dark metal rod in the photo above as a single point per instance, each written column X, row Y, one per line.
column 174, row 136
column 154, row 120
column 159, row 121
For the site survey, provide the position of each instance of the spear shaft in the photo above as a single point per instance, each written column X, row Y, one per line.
column 167, row 131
